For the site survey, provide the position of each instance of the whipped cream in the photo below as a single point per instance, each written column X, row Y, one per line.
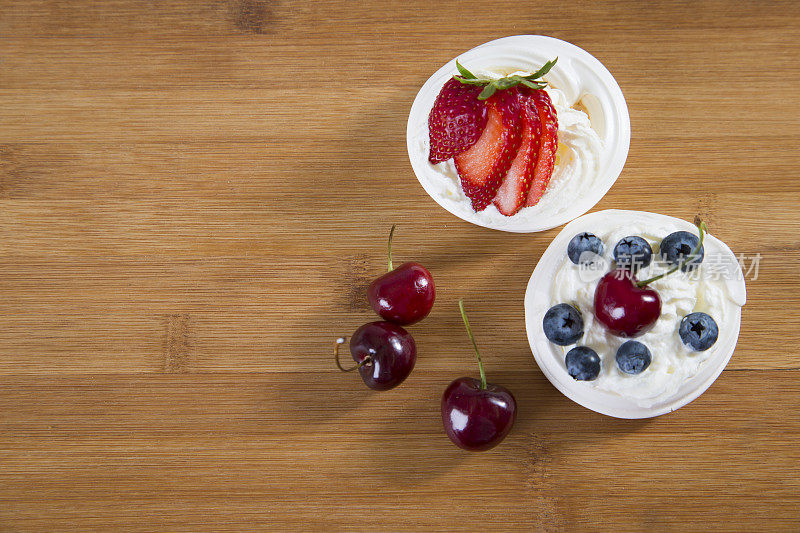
column 578, row 158
column 707, row 288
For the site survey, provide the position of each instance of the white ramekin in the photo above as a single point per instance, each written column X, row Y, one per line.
column 550, row 357
column 579, row 75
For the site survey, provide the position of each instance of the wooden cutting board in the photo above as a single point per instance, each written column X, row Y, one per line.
column 195, row 194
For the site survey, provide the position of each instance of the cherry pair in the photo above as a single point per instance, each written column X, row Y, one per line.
column 384, row 351
column 476, row 415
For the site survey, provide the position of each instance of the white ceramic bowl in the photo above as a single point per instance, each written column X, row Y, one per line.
column 550, row 357
column 579, row 75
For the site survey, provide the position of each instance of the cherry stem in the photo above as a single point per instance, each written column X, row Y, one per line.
column 474, row 344
column 367, row 360
column 391, row 236
column 701, row 226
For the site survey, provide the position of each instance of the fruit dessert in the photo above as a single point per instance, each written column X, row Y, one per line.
column 509, row 140
column 637, row 305
column 384, row 352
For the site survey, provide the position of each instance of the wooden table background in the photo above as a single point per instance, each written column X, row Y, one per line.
column 195, row 194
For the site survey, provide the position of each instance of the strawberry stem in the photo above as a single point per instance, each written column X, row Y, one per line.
column 391, row 236
column 474, row 344
column 490, row 85
column 702, row 228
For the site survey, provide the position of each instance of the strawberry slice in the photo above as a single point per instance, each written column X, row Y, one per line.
column 483, row 166
column 513, row 192
column 546, row 160
column 456, row 121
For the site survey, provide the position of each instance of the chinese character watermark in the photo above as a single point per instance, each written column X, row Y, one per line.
column 714, row 267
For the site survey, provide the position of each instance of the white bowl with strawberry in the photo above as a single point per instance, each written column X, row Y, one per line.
column 520, row 134
column 634, row 314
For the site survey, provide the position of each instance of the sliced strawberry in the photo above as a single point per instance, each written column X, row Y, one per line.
column 513, row 192
column 456, row 120
column 483, row 166
column 546, row 160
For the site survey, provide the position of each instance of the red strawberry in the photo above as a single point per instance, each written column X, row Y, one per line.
column 483, row 166
column 456, row 120
column 546, row 159
column 513, row 192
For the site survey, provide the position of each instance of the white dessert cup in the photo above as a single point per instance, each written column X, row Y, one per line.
column 579, row 75
column 550, row 357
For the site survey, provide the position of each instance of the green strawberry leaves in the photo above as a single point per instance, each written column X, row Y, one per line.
column 542, row 71
column 487, row 91
column 464, row 72
column 491, row 86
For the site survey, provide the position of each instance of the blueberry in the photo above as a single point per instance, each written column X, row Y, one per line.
column 634, row 252
column 680, row 244
column 582, row 243
column 563, row 324
column 583, row 363
column 698, row 331
column 633, row 357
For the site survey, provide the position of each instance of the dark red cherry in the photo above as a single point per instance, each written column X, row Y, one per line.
column 477, row 415
column 384, row 354
column 624, row 308
column 477, row 418
column 405, row 294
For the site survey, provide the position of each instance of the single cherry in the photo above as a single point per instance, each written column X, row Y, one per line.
column 622, row 307
column 384, row 354
column 477, row 415
column 629, row 308
column 403, row 295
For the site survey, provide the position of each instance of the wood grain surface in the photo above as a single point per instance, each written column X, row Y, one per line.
column 195, row 194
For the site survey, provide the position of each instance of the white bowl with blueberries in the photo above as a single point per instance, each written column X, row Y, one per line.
column 634, row 314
